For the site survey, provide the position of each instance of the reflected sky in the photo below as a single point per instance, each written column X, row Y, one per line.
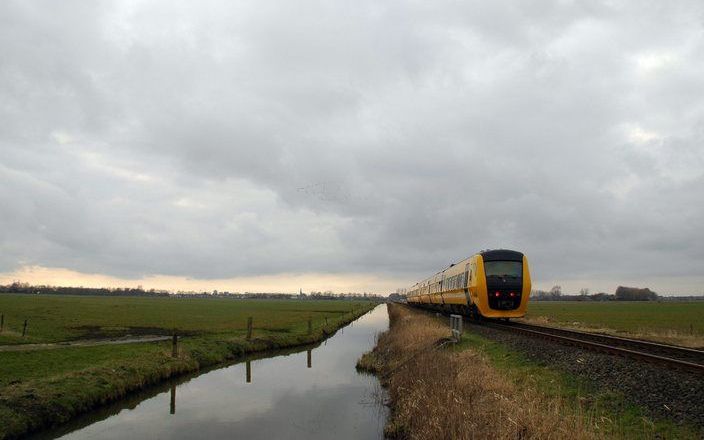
column 286, row 399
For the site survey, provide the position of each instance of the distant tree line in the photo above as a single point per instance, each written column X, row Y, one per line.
column 25, row 288
column 621, row 294
column 18, row 287
column 635, row 294
column 397, row 297
column 330, row 295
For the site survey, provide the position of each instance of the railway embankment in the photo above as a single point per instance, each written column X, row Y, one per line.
column 437, row 390
column 663, row 393
column 27, row 406
column 489, row 387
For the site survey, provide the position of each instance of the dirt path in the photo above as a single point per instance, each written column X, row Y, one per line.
column 84, row 343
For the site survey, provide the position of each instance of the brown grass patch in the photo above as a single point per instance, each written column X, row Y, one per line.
column 440, row 393
column 669, row 336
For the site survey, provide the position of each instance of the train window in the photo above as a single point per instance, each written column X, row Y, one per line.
column 507, row 269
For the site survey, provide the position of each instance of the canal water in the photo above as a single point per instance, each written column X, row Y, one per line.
column 315, row 393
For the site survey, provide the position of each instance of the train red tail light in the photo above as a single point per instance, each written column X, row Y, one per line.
column 513, row 294
column 496, row 294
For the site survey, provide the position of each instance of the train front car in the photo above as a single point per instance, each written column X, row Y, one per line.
column 502, row 286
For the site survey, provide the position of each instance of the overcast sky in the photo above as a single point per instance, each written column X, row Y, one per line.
column 351, row 145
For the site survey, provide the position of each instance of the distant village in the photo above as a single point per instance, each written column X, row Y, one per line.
column 622, row 293
column 26, row 288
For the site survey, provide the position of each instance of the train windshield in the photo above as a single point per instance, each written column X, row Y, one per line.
column 503, row 269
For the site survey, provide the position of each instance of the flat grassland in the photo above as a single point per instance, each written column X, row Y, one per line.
column 41, row 387
column 67, row 318
column 680, row 323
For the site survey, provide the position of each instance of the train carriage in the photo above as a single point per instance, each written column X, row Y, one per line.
column 490, row 284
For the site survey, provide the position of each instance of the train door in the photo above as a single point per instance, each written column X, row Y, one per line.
column 467, row 275
column 442, row 283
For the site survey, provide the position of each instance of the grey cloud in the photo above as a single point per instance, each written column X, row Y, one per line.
column 228, row 139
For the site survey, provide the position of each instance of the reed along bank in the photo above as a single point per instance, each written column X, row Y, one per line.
column 437, row 390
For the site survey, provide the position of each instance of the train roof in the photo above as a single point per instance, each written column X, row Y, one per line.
column 501, row 255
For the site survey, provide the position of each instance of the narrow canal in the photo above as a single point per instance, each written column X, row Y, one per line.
column 310, row 394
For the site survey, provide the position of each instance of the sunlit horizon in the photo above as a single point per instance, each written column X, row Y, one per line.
column 310, row 282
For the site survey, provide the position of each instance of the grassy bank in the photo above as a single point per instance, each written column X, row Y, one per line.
column 677, row 323
column 479, row 389
column 42, row 388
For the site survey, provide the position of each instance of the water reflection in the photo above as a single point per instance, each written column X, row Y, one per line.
column 248, row 368
column 172, row 410
column 288, row 400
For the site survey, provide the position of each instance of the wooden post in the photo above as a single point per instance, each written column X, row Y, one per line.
column 326, row 321
column 174, row 346
column 2, row 322
column 310, row 358
column 249, row 372
column 24, row 328
column 249, row 328
column 172, row 409
column 310, row 325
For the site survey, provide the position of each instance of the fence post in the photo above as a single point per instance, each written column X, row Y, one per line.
column 2, row 322
column 24, row 328
column 310, row 325
column 249, row 328
column 248, row 367
column 174, row 346
column 326, row 321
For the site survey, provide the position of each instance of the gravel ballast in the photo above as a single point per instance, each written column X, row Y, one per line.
column 664, row 393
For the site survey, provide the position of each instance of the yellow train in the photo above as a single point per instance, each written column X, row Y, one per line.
column 490, row 284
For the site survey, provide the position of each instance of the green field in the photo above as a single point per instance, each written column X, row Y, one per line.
column 676, row 322
column 46, row 386
column 62, row 318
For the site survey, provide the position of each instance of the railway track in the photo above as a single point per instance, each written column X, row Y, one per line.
column 663, row 354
